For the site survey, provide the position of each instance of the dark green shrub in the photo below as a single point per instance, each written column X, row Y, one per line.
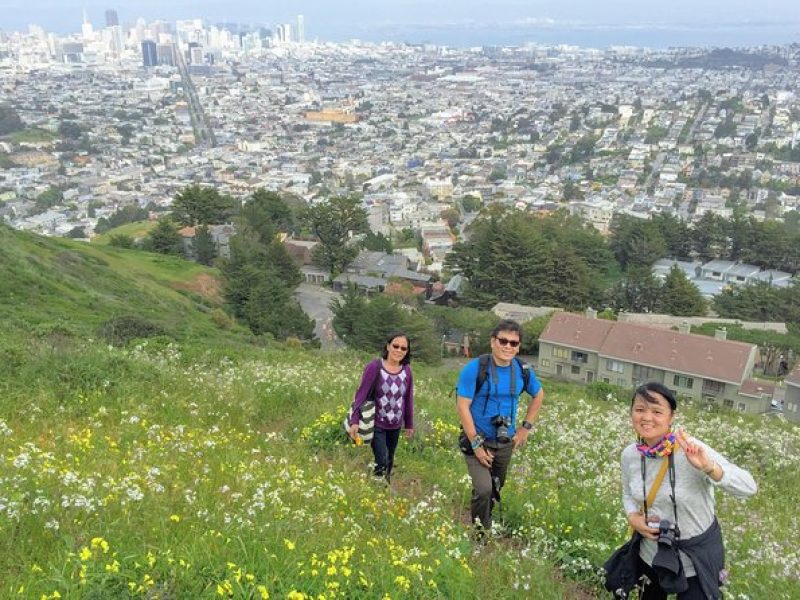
column 118, row 331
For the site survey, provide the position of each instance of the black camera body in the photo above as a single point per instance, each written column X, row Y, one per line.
column 501, row 424
column 667, row 533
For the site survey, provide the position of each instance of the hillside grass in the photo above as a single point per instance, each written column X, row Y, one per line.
column 74, row 287
column 136, row 230
column 31, row 135
column 186, row 471
column 197, row 465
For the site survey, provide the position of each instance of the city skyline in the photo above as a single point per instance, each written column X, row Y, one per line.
column 509, row 22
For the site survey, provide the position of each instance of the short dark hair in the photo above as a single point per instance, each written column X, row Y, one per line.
column 392, row 337
column 507, row 325
column 644, row 391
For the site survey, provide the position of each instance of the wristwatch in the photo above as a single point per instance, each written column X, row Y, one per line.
column 477, row 442
column 527, row 425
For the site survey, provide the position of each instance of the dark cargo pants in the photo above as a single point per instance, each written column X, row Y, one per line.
column 482, row 502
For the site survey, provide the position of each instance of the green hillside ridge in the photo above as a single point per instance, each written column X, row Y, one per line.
column 56, row 282
column 204, row 467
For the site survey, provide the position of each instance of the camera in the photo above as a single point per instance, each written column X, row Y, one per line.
column 501, row 424
column 666, row 533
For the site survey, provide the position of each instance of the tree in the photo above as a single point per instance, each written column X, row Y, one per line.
column 271, row 207
column 636, row 243
column 164, row 238
column 76, row 233
column 121, row 241
column 365, row 324
column 451, row 216
column 639, row 291
column 470, row 203
column 52, row 196
column 199, row 205
column 333, row 222
column 260, row 278
column 709, row 237
column 70, row 130
column 9, row 119
column 205, row 250
column 679, row 296
column 377, row 242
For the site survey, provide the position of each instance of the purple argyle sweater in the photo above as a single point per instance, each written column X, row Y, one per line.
column 394, row 396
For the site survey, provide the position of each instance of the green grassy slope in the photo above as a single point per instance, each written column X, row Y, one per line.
column 49, row 282
column 209, row 468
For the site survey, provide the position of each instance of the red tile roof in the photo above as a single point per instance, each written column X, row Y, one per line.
column 698, row 355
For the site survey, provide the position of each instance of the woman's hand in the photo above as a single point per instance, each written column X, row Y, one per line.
column 636, row 519
column 695, row 453
column 409, row 433
column 353, row 431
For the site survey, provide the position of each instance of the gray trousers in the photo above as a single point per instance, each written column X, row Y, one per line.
column 481, row 505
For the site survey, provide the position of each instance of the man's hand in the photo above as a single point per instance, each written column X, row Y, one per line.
column 484, row 457
column 520, row 437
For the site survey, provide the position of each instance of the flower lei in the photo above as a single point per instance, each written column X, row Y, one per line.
column 663, row 448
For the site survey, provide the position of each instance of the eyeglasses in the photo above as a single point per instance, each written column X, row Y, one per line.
column 507, row 342
column 399, row 347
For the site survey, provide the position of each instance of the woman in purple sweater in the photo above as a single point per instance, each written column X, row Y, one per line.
column 390, row 377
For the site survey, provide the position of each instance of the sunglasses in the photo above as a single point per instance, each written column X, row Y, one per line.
column 507, row 342
column 399, row 347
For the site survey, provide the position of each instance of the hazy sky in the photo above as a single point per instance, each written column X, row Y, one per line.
column 332, row 19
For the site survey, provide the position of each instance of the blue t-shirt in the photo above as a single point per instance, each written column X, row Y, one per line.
column 499, row 400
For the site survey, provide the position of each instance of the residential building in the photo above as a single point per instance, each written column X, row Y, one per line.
column 715, row 370
column 791, row 402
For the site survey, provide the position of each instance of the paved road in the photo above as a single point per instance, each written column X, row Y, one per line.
column 316, row 300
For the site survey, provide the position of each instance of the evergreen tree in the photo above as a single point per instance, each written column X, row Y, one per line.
column 710, row 237
column 269, row 206
column 205, row 250
column 333, row 222
column 164, row 238
column 681, row 297
column 639, row 291
column 201, row 205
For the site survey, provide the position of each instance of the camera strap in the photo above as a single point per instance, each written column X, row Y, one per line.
column 667, row 465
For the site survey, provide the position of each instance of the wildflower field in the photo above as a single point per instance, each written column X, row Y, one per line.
column 163, row 470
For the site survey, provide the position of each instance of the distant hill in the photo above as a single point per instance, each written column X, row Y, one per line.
column 58, row 283
column 722, row 58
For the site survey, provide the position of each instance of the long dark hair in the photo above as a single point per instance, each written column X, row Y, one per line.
column 385, row 353
column 644, row 392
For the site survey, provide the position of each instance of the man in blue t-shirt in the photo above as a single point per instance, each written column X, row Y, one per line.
column 488, row 416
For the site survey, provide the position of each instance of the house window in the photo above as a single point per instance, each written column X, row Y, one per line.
column 606, row 380
column 580, row 357
column 560, row 352
column 728, row 403
column 615, row 366
column 642, row 374
column 575, row 369
column 544, row 362
column 621, row 382
column 713, row 387
column 683, row 381
column 742, row 407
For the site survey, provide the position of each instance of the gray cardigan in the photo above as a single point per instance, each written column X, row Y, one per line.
column 694, row 493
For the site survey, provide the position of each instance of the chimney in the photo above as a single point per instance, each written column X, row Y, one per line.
column 721, row 334
column 684, row 327
column 591, row 313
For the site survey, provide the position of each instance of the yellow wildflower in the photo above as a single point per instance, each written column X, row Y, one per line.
column 85, row 554
column 289, row 544
column 263, row 592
